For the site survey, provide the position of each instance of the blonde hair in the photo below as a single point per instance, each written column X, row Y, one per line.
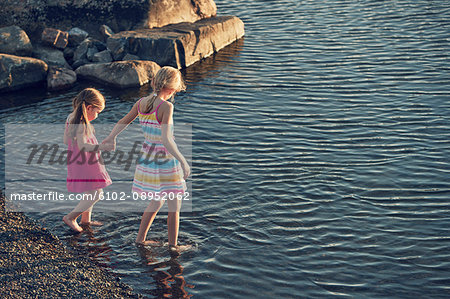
column 166, row 78
column 88, row 96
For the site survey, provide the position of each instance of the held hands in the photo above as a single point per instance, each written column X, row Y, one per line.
column 109, row 144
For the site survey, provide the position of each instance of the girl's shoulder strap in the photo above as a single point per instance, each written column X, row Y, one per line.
column 157, row 107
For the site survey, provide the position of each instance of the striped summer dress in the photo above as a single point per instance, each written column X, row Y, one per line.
column 163, row 174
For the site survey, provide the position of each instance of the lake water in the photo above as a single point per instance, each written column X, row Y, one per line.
column 321, row 148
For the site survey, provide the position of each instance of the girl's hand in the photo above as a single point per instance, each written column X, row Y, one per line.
column 109, row 144
column 186, row 170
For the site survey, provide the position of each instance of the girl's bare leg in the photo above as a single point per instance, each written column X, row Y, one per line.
column 173, row 221
column 84, row 205
column 86, row 218
column 147, row 220
column 173, row 224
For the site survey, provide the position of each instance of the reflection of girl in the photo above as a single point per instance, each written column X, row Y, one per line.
column 85, row 173
column 166, row 274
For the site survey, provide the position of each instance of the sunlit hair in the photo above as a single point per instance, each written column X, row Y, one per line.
column 88, row 96
column 166, row 78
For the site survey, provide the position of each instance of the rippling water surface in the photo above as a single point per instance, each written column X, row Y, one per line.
column 320, row 158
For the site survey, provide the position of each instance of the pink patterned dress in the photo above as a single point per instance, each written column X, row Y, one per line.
column 85, row 170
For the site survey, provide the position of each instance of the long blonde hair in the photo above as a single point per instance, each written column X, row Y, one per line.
column 88, row 96
column 166, row 77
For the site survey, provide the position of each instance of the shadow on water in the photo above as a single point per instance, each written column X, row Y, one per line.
column 23, row 97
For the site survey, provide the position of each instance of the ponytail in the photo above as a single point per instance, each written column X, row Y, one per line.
column 88, row 96
column 150, row 103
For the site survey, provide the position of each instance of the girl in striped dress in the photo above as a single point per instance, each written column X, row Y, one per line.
column 161, row 170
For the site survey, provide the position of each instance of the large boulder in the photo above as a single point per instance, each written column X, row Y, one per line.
column 34, row 15
column 177, row 45
column 19, row 72
column 13, row 40
column 121, row 74
column 51, row 56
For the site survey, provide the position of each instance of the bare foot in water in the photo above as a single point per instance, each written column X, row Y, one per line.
column 179, row 248
column 148, row 243
column 93, row 223
column 72, row 224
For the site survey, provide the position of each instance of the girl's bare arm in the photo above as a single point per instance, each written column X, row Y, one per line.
column 166, row 133
column 122, row 124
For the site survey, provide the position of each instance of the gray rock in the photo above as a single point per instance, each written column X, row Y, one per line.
column 51, row 56
column 88, row 48
column 68, row 54
column 60, row 78
column 77, row 36
column 19, row 72
column 120, row 74
column 80, row 62
column 103, row 56
column 178, row 45
column 81, row 51
column 98, row 44
column 90, row 53
column 118, row 46
column 13, row 40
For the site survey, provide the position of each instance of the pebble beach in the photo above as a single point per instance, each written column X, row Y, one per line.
column 35, row 263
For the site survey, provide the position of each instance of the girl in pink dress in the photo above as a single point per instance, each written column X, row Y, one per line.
column 85, row 171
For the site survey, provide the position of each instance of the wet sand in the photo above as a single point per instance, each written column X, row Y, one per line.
column 35, row 263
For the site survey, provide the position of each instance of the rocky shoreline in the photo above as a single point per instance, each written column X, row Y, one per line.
column 53, row 52
column 34, row 263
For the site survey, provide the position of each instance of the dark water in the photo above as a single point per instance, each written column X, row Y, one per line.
column 320, row 158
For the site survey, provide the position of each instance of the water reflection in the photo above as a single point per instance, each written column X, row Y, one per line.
column 210, row 66
column 167, row 274
column 205, row 68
